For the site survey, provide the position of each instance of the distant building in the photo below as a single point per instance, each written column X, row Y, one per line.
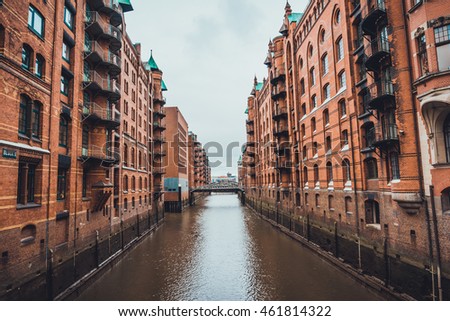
column 225, row 179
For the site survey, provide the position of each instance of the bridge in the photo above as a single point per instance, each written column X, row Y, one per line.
column 229, row 187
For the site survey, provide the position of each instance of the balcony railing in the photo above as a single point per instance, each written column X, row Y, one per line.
column 251, row 151
column 378, row 54
column 159, row 126
column 250, row 128
column 381, row 94
column 95, row 54
column 95, row 112
column 281, row 130
column 279, row 112
column 110, row 7
column 98, row 27
column 99, row 156
column 159, row 171
column 382, row 136
column 94, row 82
column 278, row 91
column 160, row 113
column 373, row 15
column 279, row 74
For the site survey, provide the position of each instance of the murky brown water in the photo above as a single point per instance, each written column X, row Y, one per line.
column 220, row 250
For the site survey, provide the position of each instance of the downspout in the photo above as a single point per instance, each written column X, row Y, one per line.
column 421, row 178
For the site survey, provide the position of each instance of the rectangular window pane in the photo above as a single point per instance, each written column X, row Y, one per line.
column 68, row 17
column 61, row 184
column 66, row 52
column 442, row 34
column 443, row 53
column 31, row 183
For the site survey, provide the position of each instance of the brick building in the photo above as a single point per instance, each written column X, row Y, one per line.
column 336, row 133
column 76, row 135
column 199, row 171
column 176, row 180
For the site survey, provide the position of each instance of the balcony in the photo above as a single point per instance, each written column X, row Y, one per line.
column 281, row 130
column 98, row 156
column 250, row 129
column 383, row 136
column 284, row 163
column 279, row 75
column 159, row 99
column 279, row 112
column 158, row 188
column 251, row 151
column 252, row 172
column 250, row 121
column 375, row 14
column 95, row 83
column 159, row 140
column 251, row 143
column 96, row 55
column 159, row 154
column 381, row 94
column 159, row 171
column 159, row 126
column 378, row 54
column 97, row 114
column 278, row 92
column 99, row 28
column 160, row 113
column 109, row 7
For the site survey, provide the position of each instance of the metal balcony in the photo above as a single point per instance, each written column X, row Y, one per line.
column 159, row 171
column 108, row 87
column 160, row 113
column 381, row 95
column 281, row 130
column 279, row 75
column 109, row 7
column 250, row 121
column 278, row 92
column 96, row 55
column 159, row 99
column 97, row 114
column 251, row 143
column 251, row 151
column 252, row 172
column 97, row 27
column 383, row 136
column 159, row 140
column 375, row 14
column 159, row 126
column 159, row 154
column 378, row 54
column 98, row 156
column 250, row 129
column 279, row 112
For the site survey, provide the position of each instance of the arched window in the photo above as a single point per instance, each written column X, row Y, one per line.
column 328, row 145
column 302, row 87
column 27, row 57
column 25, row 105
column 372, row 212
column 125, row 183
column 342, row 108
column 312, row 76
column 303, row 109
column 342, row 79
column 313, row 125
column 447, row 137
column 330, row 202
column 140, row 159
column 326, row 92
column 125, row 204
column 39, row 66
column 63, row 131
column 326, row 117
column 125, row 154
column 337, row 17
column 305, row 174
column 325, row 67
column 340, row 48
column 329, row 172
column 348, row 204
column 317, row 200
column 346, row 170
column 36, row 119
column 322, row 36
column 305, row 152
column 394, row 165
column 146, row 183
column 369, row 134
column 133, row 157
column 140, row 183
column 371, row 168
column 133, row 202
column 303, row 130
column 133, row 183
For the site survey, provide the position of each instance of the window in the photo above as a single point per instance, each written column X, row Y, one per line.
column 66, row 52
column 442, row 35
column 304, row 109
column 65, row 83
column 305, row 174
column 344, row 138
column 316, row 174
column 85, row 140
column 132, row 157
column 125, row 183
column 36, row 120
column 305, row 152
column 133, row 203
column 301, row 63
column 39, row 66
column 348, row 205
column 325, row 67
column 36, row 21
column 342, row 80
column 68, row 17
column 303, row 130
column 371, row 168
column 311, row 51
column 26, row 57
column 327, row 92
column 23, row 114
column 330, row 202
column 342, row 108
column 63, row 131
column 61, row 184
column 329, row 172
column 447, row 137
column 328, row 145
column 133, row 183
column 337, row 19
column 322, row 36
column 26, row 187
column 313, row 125
column 317, row 200
column 422, row 54
column 446, row 200
column 312, row 76
column 346, row 170
column 125, row 155
column 140, row 183
column 394, row 165
column 302, row 87
column 372, row 212
column 125, row 204
column 314, row 101
column 84, row 183
column 340, row 48
column 28, row 234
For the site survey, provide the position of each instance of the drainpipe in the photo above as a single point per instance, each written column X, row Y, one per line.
column 438, row 245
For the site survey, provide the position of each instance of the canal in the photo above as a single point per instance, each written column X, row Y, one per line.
column 219, row 250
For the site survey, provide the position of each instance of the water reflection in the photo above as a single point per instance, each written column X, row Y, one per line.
column 219, row 250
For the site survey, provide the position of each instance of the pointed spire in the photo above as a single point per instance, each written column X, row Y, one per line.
column 268, row 61
column 151, row 65
column 284, row 29
column 255, row 82
column 287, row 9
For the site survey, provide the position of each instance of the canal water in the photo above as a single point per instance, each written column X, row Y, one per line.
column 219, row 250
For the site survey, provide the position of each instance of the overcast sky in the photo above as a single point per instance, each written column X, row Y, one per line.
column 209, row 51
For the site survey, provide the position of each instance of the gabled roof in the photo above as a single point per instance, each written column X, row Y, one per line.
column 126, row 5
